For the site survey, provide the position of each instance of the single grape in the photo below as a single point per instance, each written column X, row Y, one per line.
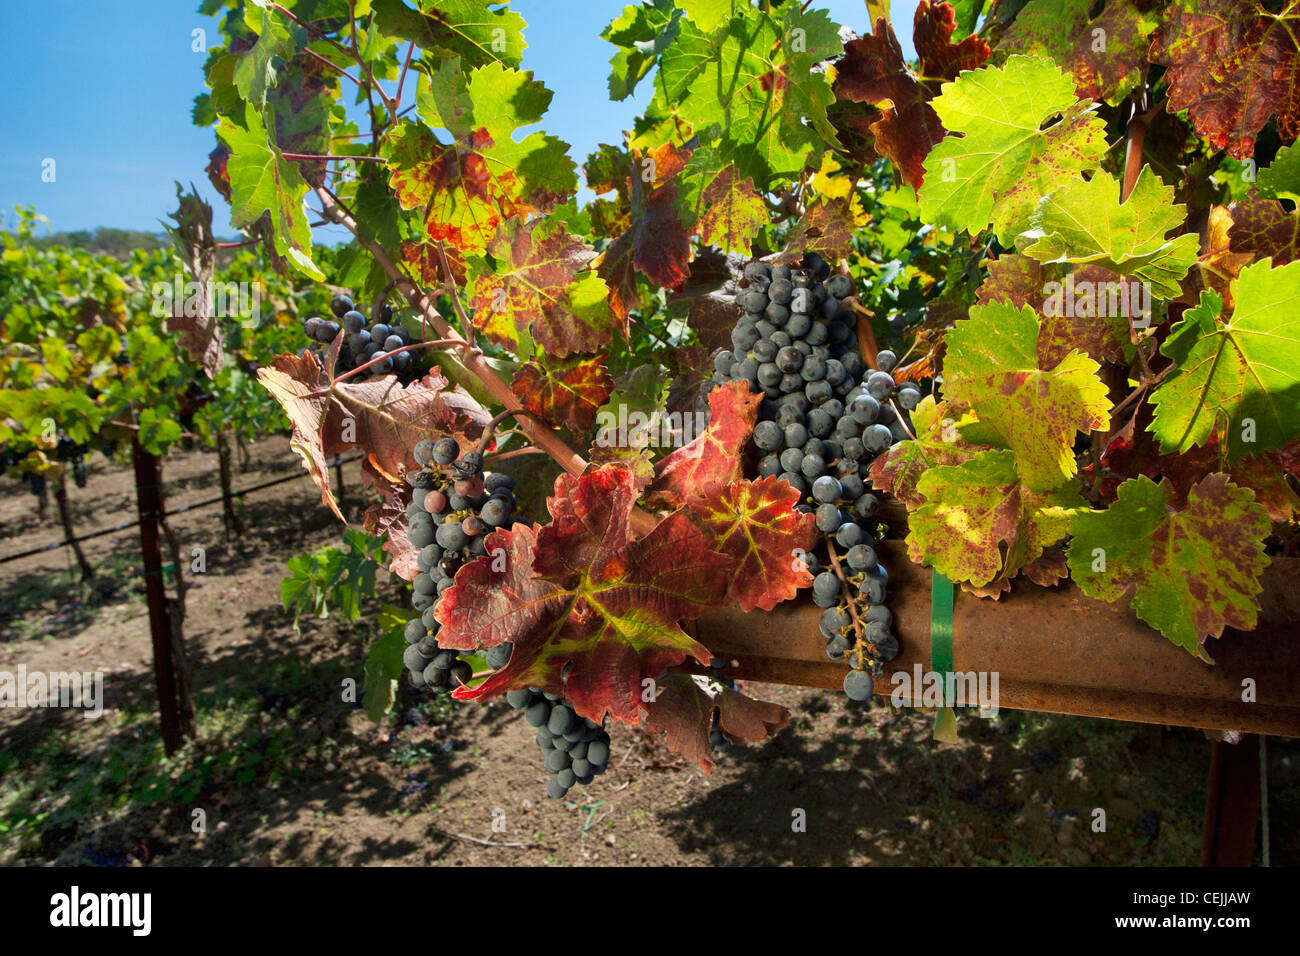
column 423, row 451
column 451, row 537
column 353, row 321
column 848, row 534
column 768, row 436
column 826, row 489
column 340, row 305
column 813, row 466
column 445, row 451
column 861, row 557
column 858, row 685
column 880, row 385
column 828, row 518
column 909, row 398
column 877, row 438
column 497, row 657
column 886, row 360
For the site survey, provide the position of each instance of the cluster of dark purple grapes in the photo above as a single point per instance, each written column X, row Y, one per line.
column 70, row 452
column 362, row 341
column 820, row 426
column 454, row 507
column 576, row 748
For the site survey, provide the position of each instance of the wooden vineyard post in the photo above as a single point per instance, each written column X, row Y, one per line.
column 149, row 507
column 1232, row 797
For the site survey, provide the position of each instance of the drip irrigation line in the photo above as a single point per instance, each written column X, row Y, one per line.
column 201, row 504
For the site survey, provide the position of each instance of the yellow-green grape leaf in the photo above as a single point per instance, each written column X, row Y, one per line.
column 1238, row 378
column 468, row 29
column 992, row 366
column 1016, row 133
column 1084, row 222
column 981, row 524
column 1190, row 571
column 263, row 181
column 733, row 213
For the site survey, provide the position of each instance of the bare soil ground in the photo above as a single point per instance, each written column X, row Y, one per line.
column 286, row 772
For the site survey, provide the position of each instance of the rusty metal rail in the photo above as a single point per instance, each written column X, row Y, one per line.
column 1055, row 650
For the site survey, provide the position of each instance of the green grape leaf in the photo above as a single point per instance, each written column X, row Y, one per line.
column 1105, row 53
column 383, row 669
column 1239, row 379
column 755, row 81
column 937, row 442
column 1084, row 222
column 564, row 391
column 980, row 524
column 262, row 181
column 278, row 41
column 642, row 33
column 1002, row 154
column 1189, row 571
column 992, row 365
column 535, row 279
column 468, row 29
column 1232, row 64
column 1281, row 178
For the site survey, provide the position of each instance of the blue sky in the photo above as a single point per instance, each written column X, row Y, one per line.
column 104, row 88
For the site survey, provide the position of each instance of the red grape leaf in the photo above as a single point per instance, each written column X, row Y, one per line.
column 594, row 632
column 872, row 71
column 713, row 458
column 537, row 277
column 684, row 711
column 755, row 522
column 564, row 391
column 1232, row 65
column 656, row 244
column 1261, row 228
column 826, row 228
column 1065, row 305
column 389, row 517
column 380, row 415
column 748, row 719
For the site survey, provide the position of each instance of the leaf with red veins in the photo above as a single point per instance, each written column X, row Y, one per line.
column 1233, row 66
column 389, row 517
column 566, row 391
column 657, row 244
column 712, row 317
column 421, row 253
column 713, row 458
column 592, row 632
column 873, row 72
column 1261, row 228
column 827, row 228
column 537, row 278
column 756, row 523
column 683, row 711
column 381, row 416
